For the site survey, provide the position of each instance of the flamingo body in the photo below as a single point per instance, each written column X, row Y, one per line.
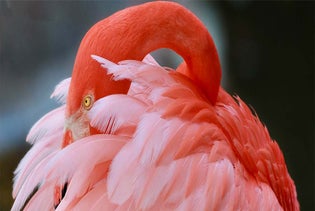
column 159, row 141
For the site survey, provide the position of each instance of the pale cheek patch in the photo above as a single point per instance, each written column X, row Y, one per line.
column 79, row 125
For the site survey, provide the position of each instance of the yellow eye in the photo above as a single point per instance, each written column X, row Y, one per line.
column 87, row 102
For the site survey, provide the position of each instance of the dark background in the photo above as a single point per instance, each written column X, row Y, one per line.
column 266, row 50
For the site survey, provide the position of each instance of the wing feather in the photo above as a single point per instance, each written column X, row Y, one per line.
column 51, row 123
column 138, row 72
column 165, row 149
column 61, row 91
column 109, row 114
column 34, row 157
column 96, row 199
column 86, row 154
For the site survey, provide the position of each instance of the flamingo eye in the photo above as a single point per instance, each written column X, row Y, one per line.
column 87, row 102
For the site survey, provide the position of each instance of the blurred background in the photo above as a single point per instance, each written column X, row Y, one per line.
column 266, row 51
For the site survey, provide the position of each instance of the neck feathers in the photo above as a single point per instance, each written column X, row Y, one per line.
column 136, row 31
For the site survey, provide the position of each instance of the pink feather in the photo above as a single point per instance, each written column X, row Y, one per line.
column 132, row 135
column 161, row 161
column 61, row 91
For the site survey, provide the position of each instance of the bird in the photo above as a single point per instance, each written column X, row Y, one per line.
column 131, row 134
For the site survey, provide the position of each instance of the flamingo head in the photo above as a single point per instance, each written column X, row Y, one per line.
column 89, row 83
column 128, row 35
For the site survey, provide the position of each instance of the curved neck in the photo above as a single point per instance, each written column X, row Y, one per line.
column 136, row 31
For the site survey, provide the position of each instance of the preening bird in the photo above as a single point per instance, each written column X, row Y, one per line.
column 132, row 135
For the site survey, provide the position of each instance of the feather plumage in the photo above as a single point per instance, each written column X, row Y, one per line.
column 145, row 170
column 61, row 91
column 48, row 125
column 153, row 139
column 108, row 115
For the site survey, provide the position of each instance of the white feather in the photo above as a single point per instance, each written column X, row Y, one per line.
column 58, row 169
column 61, row 91
column 112, row 113
column 51, row 123
column 136, row 71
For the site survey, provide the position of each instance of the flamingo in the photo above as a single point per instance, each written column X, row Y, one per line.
column 132, row 135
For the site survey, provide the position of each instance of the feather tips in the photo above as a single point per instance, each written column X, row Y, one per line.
column 57, row 169
column 61, row 91
column 109, row 114
column 167, row 149
column 51, row 123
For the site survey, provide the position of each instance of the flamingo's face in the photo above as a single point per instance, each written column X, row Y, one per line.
column 89, row 83
column 77, row 125
column 86, row 87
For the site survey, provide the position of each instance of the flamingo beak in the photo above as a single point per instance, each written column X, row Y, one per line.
column 67, row 138
column 76, row 127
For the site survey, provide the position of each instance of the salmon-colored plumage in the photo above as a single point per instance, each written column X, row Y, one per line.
column 132, row 135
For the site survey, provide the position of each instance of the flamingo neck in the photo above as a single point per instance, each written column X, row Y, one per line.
column 136, row 31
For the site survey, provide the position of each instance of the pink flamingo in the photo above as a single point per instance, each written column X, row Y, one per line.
column 132, row 135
